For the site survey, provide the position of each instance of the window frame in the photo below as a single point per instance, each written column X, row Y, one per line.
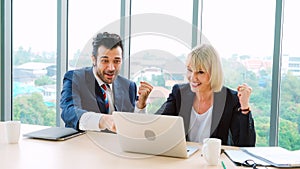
column 6, row 61
column 62, row 59
column 62, row 52
column 276, row 76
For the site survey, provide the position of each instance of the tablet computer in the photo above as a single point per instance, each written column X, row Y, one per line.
column 54, row 133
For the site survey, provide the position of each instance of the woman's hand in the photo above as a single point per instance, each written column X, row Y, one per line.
column 244, row 92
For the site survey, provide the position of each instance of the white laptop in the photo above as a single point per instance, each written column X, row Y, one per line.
column 152, row 134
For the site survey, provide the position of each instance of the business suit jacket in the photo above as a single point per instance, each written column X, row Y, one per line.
column 81, row 93
column 228, row 123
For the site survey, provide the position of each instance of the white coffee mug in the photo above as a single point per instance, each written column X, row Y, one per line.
column 2, row 132
column 211, row 150
column 12, row 130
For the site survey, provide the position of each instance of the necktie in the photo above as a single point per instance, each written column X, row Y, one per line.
column 103, row 88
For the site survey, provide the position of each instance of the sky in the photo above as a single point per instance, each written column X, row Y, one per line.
column 34, row 24
column 245, row 28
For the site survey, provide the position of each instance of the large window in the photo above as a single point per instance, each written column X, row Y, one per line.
column 34, row 61
column 289, row 121
column 86, row 18
column 159, row 45
column 243, row 34
column 158, row 38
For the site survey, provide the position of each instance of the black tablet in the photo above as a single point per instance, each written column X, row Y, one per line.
column 54, row 133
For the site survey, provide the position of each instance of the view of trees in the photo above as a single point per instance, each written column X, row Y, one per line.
column 289, row 133
column 22, row 56
column 31, row 109
column 44, row 80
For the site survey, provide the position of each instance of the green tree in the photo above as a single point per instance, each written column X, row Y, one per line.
column 289, row 137
column 244, row 57
column 45, row 57
column 260, row 100
column 158, row 80
column 262, row 128
column 76, row 55
column 30, row 109
column 22, row 56
column 290, row 87
column 44, row 80
column 233, row 77
column 155, row 105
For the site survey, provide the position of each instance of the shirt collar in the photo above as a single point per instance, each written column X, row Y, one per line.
column 100, row 82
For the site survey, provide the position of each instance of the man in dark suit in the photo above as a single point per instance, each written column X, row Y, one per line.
column 91, row 94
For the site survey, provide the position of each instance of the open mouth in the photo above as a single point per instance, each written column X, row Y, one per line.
column 194, row 85
column 109, row 75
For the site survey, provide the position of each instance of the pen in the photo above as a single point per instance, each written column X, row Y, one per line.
column 224, row 167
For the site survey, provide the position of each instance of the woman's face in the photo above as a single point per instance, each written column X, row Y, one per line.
column 199, row 80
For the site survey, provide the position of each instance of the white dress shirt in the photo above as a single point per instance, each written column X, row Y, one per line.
column 200, row 125
column 90, row 120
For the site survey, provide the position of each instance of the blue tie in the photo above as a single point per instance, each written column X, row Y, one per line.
column 103, row 88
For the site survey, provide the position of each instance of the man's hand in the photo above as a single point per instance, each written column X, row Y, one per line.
column 107, row 122
column 144, row 91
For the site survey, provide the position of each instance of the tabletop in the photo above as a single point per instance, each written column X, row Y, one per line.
column 91, row 150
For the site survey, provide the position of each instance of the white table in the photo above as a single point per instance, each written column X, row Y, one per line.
column 88, row 151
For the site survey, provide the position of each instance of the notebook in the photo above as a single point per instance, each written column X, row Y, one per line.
column 152, row 134
column 54, row 133
column 275, row 156
column 266, row 156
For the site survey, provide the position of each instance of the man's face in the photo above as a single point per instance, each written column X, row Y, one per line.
column 108, row 63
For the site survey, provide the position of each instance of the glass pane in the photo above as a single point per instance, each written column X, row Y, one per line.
column 34, row 61
column 243, row 33
column 86, row 18
column 289, row 126
column 160, row 41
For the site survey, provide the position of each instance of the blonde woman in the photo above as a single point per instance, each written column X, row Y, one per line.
column 208, row 108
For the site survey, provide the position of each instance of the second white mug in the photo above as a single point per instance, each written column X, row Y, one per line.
column 211, row 150
column 12, row 130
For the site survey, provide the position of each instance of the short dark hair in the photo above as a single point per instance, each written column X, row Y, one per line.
column 108, row 40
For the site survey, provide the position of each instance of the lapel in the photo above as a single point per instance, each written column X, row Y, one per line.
column 218, row 109
column 121, row 92
column 117, row 92
column 95, row 89
column 90, row 80
column 187, row 97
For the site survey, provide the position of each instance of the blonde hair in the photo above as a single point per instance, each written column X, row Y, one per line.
column 205, row 57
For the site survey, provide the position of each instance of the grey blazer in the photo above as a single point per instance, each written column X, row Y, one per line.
column 81, row 93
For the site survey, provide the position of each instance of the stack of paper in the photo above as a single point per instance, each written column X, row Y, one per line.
column 266, row 156
column 276, row 156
